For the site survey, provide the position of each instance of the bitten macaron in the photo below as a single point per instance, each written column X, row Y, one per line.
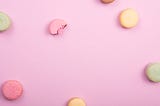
column 57, row 26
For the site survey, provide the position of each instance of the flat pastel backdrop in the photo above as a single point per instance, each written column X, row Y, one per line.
column 94, row 59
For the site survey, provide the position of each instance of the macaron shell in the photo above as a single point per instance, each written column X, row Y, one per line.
column 128, row 18
column 5, row 21
column 107, row 1
column 57, row 26
column 12, row 89
column 76, row 102
column 153, row 72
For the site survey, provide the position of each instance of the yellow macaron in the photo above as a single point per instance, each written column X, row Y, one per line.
column 128, row 18
column 76, row 102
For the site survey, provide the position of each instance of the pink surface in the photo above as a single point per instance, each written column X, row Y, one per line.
column 95, row 58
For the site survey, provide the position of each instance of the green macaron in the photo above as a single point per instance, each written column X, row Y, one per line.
column 5, row 21
column 153, row 72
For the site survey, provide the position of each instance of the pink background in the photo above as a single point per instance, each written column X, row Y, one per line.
column 94, row 59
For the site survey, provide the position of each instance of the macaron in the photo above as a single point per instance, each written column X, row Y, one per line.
column 57, row 26
column 12, row 89
column 5, row 21
column 107, row 1
column 153, row 72
column 128, row 18
column 76, row 101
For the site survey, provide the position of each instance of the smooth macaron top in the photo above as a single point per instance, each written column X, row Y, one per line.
column 153, row 72
column 128, row 18
column 5, row 21
column 76, row 101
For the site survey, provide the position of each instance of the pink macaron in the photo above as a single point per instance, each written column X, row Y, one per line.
column 12, row 89
column 57, row 26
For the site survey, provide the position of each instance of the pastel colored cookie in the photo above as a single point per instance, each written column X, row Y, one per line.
column 76, row 102
column 57, row 26
column 128, row 18
column 107, row 1
column 12, row 89
column 153, row 72
column 4, row 21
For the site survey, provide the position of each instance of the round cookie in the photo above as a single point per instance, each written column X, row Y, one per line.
column 128, row 18
column 107, row 1
column 12, row 89
column 153, row 72
column 4, row 21
column 76, row 102
column 57, row 26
